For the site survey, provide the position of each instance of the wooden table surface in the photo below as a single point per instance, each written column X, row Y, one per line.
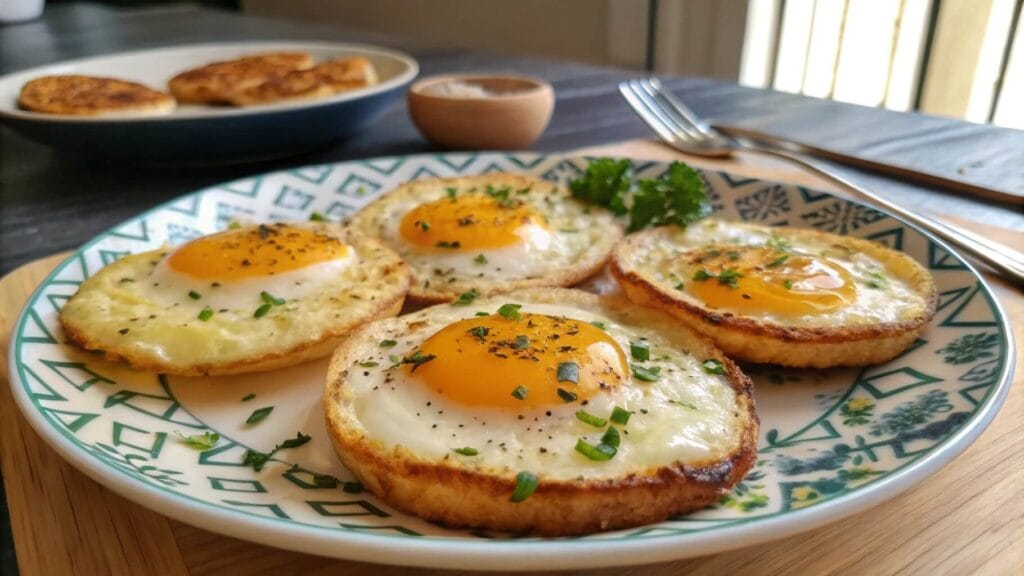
column 966, row 518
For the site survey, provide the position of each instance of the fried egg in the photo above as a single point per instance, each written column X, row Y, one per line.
column 781, row 295
column 620, row 416
column 243, row 300
column 489, row 234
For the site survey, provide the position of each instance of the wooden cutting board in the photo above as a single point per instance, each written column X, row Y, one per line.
column 967, row 518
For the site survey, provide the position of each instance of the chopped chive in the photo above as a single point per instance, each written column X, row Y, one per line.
column 466, row 298
column 510, row 311
column 479, row 332
column 778, row 261
column 679, row 286
column 271, row 299
column 713, row 366
column 684, row 404
column 194, row 295
column 482, row 314
column 467, row 451
column 234, row 225
column 388, row 343
column 262, row 311
column 640, row 351
column 526, row 484
column 248, row 397
column 206, row 313
column 520, row 392
column 317, row 217
column 201, row 442
column 620, row 415
column 702, row 275
column 451, row 192
column 598, row 453
column 600, row 325
column 480, row 259
column 369, row 364
column 521, row 343
column 611, row 437
column 788, row 284
column 417, row 359
column 259, row 414
column 877, row 281
column 566, row 395
column 729, row 277
column 588, row 418
column 645, row 374
column 422, row 225
column 777, row 242
column 733, row 255
column 568, row 372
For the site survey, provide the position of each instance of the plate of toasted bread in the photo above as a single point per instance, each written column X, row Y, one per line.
column 510, row 361
column 207, row 102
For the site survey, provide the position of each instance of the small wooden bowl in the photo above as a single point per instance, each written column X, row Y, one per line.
column 511, row 116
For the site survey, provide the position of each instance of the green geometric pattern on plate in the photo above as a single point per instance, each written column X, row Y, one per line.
column 824, row 435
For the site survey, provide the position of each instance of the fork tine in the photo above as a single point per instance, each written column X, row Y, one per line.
column 644, row 112
column 681, row 109
column 680, row 131
column 674, row 116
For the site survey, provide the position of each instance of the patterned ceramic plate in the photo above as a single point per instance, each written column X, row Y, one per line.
column 833, row 442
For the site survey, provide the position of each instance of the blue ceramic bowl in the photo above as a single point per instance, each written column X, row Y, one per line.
column 208, row 134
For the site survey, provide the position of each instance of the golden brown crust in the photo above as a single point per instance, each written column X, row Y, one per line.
column 76, row 95
column 387, row 270
column 754, row 340
column 456, row 496
column 320, row 81
column 217, row 82
column 426, row 290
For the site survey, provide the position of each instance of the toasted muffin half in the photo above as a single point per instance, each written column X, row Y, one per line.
column 478, row 235
column 549, row 421
column 322, row 80
column 784, row 296
column 77, row 95
column 218, row 82
column 245, row 300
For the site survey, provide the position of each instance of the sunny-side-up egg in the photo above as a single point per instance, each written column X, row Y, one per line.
column 780, row 295
column 551, row 411
column 489, row 234
column 243, row 300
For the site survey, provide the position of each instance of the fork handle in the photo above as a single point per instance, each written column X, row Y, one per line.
column 1007, row 261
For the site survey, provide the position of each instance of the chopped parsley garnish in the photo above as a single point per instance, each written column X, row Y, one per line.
column 684, row 404
column 479, row 332
column 640, row 351
column 447, row 244
column 605, row 183
column 510, row 311
column 501, row 195
column 271, row 299
column 778, row 261
column 317, row 217
column 259, row 414
column 194, row 295
column 878, row 281
column 451, row 192
column 417, row 359
column 480, row 259
column 778, row 242
column 467, row 451
column 248, row 397
column 645, row 374
column 620, row 415
column 526, row 484
column 588, row 418
column 388, row 343
column 466, row 298
column 262, row 310
column 733, row 255
column 519, row 393
column 702, row 275
column 600, row 325
column 202, row 442
column 788, row 284
column 234, row 225
column 422, row 225
column 482, row 314
column 713, row 366
column 568, row 372
column 611, row 437
column 256, row 460
column 521, row 342
column 206, row 313
column 370, row 364
column 566, row 395
column 598, row 453
column 728, row 277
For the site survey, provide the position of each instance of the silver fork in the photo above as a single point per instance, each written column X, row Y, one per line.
column 680, row 128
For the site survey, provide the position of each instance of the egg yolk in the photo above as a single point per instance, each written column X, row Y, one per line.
column 254, row 252
column 469, row 222
column 536, row 361
column 768, row 280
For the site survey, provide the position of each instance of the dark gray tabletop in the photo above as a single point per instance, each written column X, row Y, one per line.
column 50, row 203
